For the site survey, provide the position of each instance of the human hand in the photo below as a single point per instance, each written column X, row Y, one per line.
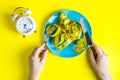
column 37, row 61
column 99, row 62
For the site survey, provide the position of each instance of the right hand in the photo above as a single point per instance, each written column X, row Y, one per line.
column 99, row 62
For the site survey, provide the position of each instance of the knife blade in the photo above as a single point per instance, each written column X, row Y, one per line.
column 89, row 40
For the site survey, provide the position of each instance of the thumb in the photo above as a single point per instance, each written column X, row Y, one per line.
column 91, row 56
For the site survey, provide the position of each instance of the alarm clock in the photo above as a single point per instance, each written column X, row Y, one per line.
column 25, row 24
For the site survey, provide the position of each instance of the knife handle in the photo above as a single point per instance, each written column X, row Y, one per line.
column 89, row 41
column 94, row 52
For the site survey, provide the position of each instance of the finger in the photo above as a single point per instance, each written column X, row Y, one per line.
column 33, row 53
column 42, row 46
column 38, row 50
column 98, row 55
column 102, row 51
column 97, row 50
column 95, row 46
column 94, row 52
column 91, row 56
column 44, row 55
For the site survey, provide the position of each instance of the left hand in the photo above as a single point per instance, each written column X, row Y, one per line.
column 37, row 61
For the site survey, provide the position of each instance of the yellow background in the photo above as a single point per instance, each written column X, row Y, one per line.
column 103, row 16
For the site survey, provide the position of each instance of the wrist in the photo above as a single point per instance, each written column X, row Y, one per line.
column 33, row 77
column 105, row 76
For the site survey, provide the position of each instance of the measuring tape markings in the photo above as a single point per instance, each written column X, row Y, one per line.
column 65, row 32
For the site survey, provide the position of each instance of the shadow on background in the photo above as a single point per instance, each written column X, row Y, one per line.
column 9, row 23
column 24, row 61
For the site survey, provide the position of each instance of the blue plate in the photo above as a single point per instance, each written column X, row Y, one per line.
column 69, row 50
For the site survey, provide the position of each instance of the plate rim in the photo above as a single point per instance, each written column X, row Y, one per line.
column 69, row 10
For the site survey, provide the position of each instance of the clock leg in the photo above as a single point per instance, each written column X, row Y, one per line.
column 35, row 31
column 23, row 36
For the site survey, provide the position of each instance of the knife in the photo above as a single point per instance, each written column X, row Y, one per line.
column 89, row 41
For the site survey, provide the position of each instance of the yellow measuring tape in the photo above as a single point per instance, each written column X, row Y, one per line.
column 66, row 31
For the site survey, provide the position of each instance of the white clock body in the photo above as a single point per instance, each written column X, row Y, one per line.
column 26, row 25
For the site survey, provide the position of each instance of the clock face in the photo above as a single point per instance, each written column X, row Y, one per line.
column 26, row 25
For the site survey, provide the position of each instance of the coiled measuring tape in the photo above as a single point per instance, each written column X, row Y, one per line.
column 66, row 31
